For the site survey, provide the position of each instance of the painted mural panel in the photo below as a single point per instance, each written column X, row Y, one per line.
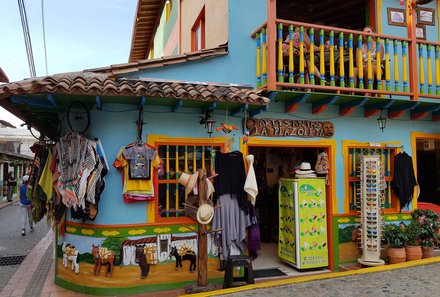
column 347, row 246
column 143, row 262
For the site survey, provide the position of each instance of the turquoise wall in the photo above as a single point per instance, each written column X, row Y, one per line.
column 238, row 66
column 184, row 123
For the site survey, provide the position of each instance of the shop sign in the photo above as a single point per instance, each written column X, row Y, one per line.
column 285, row 128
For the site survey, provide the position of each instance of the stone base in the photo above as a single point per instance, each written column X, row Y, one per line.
column 370, row 263
column 194, row 288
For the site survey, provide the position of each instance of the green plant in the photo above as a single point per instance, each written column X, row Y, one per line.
column 413, row 233
column 429, row 224
column 394, row 235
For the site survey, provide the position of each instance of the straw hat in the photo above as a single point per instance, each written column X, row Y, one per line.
column 205, row 213
column 304, row 169
column 189, row 181
column 209, row 189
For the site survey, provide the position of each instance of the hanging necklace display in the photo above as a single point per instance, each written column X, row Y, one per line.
column 369, row 195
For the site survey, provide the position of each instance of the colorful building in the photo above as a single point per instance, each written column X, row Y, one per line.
column 231, row 62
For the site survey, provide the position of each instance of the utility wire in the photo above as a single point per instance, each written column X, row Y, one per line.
column 44, row 35
column 27, row 38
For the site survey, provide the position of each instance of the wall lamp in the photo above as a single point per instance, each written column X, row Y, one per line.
column 208, row 121
column 382, row 120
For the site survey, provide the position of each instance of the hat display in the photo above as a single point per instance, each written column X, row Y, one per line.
column 305, row 169
column 205, row 213
column 189, row 181
column 25, row 178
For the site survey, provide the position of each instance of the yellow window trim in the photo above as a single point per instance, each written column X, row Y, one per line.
column 346, row 145
column 414, row 136
column 329, row 144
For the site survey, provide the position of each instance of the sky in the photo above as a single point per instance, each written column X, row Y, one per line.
column 80, row 34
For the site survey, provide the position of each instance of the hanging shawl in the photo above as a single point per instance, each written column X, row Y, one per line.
column 404, row 180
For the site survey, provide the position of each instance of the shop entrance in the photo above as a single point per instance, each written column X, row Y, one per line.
column 270, row 164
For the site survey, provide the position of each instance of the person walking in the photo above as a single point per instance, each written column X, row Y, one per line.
column 25, row 207
column 11, row 183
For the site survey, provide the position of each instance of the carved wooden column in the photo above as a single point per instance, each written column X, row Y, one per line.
column 202, row 244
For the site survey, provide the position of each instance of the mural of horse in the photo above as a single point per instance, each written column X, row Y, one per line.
column 70, row 253
column 103, row 256
column 185, row 254
column 141, row 259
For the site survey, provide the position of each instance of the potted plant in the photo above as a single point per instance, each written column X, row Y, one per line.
column 394, row 236
column 430, row 225
column 413, row 248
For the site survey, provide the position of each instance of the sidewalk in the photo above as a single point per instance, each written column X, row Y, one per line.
column 4, row 203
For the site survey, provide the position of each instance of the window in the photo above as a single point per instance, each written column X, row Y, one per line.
column 177, row 156
column 198, row 32
column 353, row 151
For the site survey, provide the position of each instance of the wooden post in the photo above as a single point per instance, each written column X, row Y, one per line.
column 202, row 244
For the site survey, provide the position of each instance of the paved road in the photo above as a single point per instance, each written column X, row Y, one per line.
column 420, row 281
column 11, row 241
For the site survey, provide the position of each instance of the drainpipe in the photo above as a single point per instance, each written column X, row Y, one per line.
column 412, row 49
column 271, row 41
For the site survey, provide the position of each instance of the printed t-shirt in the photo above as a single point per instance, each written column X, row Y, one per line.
column 139, row 157
column 135, row 186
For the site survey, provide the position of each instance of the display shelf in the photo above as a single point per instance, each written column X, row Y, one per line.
column 369, row 197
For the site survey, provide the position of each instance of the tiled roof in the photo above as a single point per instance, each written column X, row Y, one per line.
column 3, row 77
column 88, row 83
column 119, row 69
column 146, row 21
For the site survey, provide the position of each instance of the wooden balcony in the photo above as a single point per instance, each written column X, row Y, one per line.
column 329, row 70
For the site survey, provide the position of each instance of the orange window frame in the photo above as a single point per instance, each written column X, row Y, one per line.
column 184, row 163
column 199, row 26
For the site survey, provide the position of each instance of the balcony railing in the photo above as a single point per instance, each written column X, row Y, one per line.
column 332, row 62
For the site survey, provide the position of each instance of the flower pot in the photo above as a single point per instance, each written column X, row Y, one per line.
column 396, row 255
column 428, row 252
column 413, row 252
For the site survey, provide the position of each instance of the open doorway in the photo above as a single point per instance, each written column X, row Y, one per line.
column 352, row 14
column 270, row 164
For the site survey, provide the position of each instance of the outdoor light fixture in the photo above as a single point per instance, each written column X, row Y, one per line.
column 209, row 122
column 382, row 120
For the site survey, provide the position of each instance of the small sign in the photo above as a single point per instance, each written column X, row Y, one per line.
column 286, row 128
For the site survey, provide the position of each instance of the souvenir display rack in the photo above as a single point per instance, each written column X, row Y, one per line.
column 369, row 196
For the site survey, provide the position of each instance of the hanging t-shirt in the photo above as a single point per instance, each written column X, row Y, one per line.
column 139, row 157
column 135, row 186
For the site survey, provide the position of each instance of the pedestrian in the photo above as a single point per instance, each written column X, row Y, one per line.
column 25, row 207
column 11, row 183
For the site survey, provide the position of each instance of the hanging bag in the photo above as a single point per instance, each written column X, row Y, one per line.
column 322, row 165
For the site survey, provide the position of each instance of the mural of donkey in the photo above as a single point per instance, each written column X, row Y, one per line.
column 187, row 254
column 141, row 259
column 70, row 253
column 102, row 256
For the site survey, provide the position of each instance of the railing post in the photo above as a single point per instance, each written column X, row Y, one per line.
column 412, row 49
column 271, row 42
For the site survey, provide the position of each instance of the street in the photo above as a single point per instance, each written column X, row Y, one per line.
column 12, row 243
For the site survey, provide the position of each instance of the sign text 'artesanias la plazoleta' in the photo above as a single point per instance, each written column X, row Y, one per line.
column 284, row 128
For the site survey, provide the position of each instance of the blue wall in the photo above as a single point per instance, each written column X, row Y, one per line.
column 117, row 129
